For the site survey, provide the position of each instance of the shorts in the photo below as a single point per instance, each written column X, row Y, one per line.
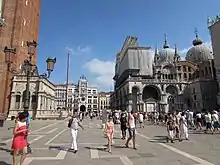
column 208, row 125
column 199, row 120
column 216, row 125
column 132, row 132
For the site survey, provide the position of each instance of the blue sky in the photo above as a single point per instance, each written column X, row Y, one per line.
column 94, row 30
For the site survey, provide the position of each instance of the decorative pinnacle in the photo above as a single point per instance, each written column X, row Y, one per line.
column 165, row 43
column 196, row 32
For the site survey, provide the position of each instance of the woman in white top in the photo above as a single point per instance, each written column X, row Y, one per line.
column 131, row 129
column 183, row 127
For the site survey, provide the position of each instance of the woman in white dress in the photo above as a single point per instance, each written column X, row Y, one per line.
column 183, row 127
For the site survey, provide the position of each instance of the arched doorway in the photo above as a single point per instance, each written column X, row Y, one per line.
column 135, row 93
column 151, row 97
column 172, row 91
column 82, row 108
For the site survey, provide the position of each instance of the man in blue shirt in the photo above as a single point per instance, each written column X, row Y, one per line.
column 28, row 119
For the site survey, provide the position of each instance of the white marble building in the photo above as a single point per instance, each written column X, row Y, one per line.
column 149, row 81
column 214, row 27
column 80, row 97
column 42, row 97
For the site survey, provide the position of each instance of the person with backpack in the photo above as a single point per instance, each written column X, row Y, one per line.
column 74, row 124
column 123, row 122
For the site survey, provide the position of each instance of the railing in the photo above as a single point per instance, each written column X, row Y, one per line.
column 155, row 80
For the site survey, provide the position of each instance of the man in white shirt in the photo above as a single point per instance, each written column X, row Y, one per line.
column 208, row 120
column 74, row 125
column 131, row 130
column 215, row 119
column 199, row 120
column 190, row 119
column 141, row 120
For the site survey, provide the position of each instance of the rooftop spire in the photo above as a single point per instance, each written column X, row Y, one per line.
column 166, row 45
column 197, row 41
column 156, row 51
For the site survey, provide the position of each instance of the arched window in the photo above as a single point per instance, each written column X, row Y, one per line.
column 185, row 76
column 202, row 73
column 17, row 100
column 206, row 71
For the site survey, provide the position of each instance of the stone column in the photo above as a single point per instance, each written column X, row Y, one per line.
column 12, row 103
column 39, row 102
column 30, row 102
column 144, row 107
column 20, row 104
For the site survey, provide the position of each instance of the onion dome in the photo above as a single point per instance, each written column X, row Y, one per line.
column 167, row 54
column 199, row 52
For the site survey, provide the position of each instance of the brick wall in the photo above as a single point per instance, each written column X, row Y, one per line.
column 22, row 24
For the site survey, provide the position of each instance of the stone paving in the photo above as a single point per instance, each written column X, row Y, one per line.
column 50, row 141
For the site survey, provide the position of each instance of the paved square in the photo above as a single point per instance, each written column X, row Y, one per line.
column 50, row 141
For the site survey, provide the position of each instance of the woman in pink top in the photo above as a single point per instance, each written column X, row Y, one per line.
column 109, row 131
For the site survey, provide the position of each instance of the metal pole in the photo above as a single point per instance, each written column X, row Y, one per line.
column 67, row 80
column 26, row 101
column 6, row 90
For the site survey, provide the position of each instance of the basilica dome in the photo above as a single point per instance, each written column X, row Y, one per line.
column 199, row 52
column 167, row 54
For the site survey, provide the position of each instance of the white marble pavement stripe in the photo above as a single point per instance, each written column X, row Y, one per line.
column 125, row 160
column 37, row 130
column 94, row 153
column 185, row 154
column 49, row 141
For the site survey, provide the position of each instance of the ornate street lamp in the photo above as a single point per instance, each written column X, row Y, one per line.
column 9, row 55
column 27, row 67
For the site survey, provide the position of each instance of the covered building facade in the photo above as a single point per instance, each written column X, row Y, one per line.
column 149, row 81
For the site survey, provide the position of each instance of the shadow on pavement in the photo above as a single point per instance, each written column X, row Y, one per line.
column 97, row 148
column 4, row 163
column 5, row 149
column 64, row 148
column 159, row 139
column 3, row 144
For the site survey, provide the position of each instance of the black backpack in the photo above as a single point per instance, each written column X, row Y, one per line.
column 70, row 122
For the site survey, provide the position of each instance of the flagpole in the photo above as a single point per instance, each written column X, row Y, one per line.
column 67, row 80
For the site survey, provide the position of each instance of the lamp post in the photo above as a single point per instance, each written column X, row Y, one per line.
column 28, row 68
column 9, row 53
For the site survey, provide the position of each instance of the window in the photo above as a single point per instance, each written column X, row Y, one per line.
column 24, row 22
column 22, row 43
column 184, row 68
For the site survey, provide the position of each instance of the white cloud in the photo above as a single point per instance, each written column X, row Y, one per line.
column 103, row 72
column 79, row 50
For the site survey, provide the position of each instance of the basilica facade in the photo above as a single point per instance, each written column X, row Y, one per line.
column 158, row 80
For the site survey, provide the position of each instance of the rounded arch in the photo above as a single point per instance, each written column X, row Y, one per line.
column 82, row 108
column 135, row 89
column 135, row 93
column 173, row 90
column 151, row 92
column 170, row 101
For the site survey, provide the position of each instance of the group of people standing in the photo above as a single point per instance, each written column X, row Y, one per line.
column 128, row 122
